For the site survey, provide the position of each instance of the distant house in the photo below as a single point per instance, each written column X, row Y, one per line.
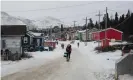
column 82, row 34
column 70, row 35
column 11, row 37
column 33, row 39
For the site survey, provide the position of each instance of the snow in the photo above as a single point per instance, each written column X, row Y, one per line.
column 44, row 22
column 115, row 43
column 10, row 20
column 39, row 58
column 104, row 60
column 35, row 34
column 126, row 77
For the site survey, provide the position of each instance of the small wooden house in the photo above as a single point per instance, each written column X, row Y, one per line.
column 11, row 37
column 109, row 33
column 33, row 39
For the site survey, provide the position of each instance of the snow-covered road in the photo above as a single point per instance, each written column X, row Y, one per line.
column 79, row 68
column 85, row 64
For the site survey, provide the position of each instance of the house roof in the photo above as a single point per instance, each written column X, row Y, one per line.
column 9, row 30
column 108, row 29
column 34, row 34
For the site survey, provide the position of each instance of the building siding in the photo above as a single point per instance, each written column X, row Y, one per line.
column 110, row 34
column 13, row 44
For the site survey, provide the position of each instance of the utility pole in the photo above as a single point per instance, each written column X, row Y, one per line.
column 73, row 29
column 86, row 31
column 99, row 15
column 74, row 23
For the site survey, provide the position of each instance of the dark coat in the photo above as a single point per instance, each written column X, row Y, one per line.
column 68, row 49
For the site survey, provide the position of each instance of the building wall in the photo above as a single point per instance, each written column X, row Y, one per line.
column 83, row 36
column 12, row 43
column 124, row 65
column 95, row 36
column 112, row 34
column 102, row 35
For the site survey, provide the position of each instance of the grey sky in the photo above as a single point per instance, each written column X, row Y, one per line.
column 66, row 15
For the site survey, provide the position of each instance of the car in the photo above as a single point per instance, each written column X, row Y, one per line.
column 127, row 48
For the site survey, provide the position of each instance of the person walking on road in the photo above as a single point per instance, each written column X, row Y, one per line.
column 62, row 45
column 78, row 44
column 68, row 50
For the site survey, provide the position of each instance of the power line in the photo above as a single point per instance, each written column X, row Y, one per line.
column 57, row 7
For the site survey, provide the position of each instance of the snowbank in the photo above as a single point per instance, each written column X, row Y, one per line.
column 105, row 61
column 115, row 43
column 39, row 58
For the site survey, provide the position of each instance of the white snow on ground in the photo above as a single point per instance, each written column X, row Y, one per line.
column 39, row 58
column 126, row 77
column 106, row 60
column 114, row 43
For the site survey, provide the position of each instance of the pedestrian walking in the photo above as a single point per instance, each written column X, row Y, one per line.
column 68, row 50
column 78, row 44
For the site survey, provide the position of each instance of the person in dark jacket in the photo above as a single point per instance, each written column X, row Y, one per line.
column 78, row 44
column 62, row 45
column 68, row 50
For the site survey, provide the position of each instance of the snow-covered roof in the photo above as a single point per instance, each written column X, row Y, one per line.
column 34, row 33
column 82, row 31
column 108, row 29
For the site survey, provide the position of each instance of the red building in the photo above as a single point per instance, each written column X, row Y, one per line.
column 111, row 33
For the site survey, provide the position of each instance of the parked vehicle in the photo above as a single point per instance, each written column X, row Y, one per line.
column 127, row 48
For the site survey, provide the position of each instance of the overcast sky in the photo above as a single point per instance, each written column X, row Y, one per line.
column 67, row 14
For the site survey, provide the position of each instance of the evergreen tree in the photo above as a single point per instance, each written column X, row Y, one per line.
column 90, row 24
column 96, row 25
column 128, row 14
column 108, row 21
column 116, row 18
column 103, row 23
column 84, row 27
column 62, row 29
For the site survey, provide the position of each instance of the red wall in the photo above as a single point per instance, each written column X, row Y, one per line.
column 102, row 35
column 95, row 36
column 110, row 34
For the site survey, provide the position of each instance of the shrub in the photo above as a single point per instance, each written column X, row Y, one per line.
column 26, row 55
column 105, row 49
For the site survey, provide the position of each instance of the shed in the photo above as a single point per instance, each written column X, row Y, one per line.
column 33, row 39
column 11, row 37
column 109, row 33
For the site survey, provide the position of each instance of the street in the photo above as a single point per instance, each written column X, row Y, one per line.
column 79, row 68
